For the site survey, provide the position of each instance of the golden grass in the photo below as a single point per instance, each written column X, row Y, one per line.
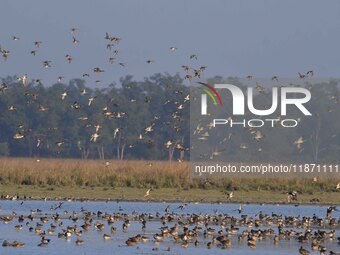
column 71, row 172
column 59, row 175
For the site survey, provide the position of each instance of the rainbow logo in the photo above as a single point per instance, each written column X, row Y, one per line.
column 211, row 91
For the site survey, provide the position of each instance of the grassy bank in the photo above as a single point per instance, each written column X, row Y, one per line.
column 162, row 194
column 128, row 180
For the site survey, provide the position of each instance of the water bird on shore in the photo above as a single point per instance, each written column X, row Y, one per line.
column 106, row 237
column 303, row 251
column 251, row 242
column 15, row 244
column 79, row 242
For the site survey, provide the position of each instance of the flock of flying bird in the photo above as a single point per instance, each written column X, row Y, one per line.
column 202, row 130
column 174, row 227
column 112, row 47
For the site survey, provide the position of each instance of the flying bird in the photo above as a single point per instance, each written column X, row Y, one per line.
column 60, row 142
column 73, row 30
column 37, row 44
column 98, row 70
column 63, row 95
column 47, row 64
column 258, row 136
column 115, row 132
column 74, row 40
column 291, row 196
column 75, row 105
column 275, row 78
column 5, row 53
column 302, row 76
column 68, row 58
column 91, row 100
column 299, row 142
column 149, row 128
column 193, row 56
column 147, row 193
column 310, row 73
column 94, row 137
column 18, row 136
column 60, row 78
column 112, row 60
column 23, row 79
column 230, row 195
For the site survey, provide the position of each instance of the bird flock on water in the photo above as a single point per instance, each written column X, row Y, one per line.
column 174, row 227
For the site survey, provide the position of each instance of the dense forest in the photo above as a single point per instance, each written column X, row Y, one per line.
column 146, row 119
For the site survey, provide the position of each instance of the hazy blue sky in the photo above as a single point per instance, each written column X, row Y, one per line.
column 233, row 38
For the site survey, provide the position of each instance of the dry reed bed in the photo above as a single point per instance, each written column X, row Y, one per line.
column 71, row 172
column 139, row 174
